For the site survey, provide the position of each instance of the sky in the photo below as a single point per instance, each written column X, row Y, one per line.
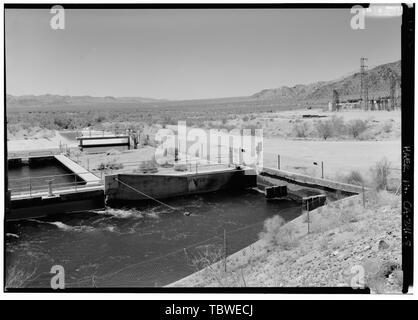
column 190, row 53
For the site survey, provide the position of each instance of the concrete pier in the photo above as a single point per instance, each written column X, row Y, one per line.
column 308, row 181
column 81, row 172
column 161, row 186
column 85, row 193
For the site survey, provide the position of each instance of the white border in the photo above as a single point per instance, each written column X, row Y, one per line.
column 177, row 296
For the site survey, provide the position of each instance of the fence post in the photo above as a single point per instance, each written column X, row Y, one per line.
column 225, row 251
column 278, row 161
column 50, row 194
column 322, row 169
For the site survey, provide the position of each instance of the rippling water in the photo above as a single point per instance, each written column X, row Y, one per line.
column 139, row 245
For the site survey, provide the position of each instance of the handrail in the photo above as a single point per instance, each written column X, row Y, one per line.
column 51, row 176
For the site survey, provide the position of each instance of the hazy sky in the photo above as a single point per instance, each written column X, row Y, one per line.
column 187, row 54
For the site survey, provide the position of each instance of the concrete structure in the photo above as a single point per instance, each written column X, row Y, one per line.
column 67, row 201
column 103, row 141
column 85, row 193
column 308, row 181
column 160, row 186
column 81, row 172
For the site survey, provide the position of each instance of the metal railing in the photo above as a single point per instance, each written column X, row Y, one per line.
column 35, row 186
column 32, row 154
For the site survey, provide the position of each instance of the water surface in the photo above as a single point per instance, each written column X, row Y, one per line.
column 140, row 245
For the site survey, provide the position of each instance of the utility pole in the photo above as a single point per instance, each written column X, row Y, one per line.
column 392, row 90
column 364, row 91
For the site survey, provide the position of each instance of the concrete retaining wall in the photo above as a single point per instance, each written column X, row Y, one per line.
column 65, row 203
column 166, row 186
column 312, row 182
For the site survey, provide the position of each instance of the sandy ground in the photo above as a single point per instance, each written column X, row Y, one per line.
column 40, row 144
column 339, row 157
column 382, row 125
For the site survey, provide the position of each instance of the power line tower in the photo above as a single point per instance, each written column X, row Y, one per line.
column 364, row 91
column 392, row 91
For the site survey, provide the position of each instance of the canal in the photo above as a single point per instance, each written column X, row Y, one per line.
column 137, row 245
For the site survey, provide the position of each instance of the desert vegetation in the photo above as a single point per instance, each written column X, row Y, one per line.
column 381, row 176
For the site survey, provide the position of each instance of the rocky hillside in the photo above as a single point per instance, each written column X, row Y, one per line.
column 348, row 246
column 378, row 80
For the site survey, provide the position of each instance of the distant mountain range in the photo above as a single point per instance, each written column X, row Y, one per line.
column 348, row 87
column 378, row 82
column 52, row 99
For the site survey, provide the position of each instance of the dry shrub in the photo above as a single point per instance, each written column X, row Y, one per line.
column 148, row 166
column 205, row 256
column 180, row 167
column 325, row 129
column 111, row 165
column 277, row 233
column 378, row 281
column 387, row 128
column 380, row 173
column 332, row 216
column 354, row 177
column 17, row 277
column 300, row 129
column 356, row 127
column 338, row 125
column 383, row 198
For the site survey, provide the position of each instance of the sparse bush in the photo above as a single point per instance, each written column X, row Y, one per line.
column 338, row 125
column 149, row 166
column 17, row 277
column 357, row 127
column 333, row 215
column 206, row 256
column 387, row 128
column 300, row 129
column 277, row 233
column 110, row 165
column 180, row 167
column 325, row 129
column 354, row 177
column 380, row 173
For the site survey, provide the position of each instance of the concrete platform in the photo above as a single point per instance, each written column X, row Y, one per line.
column 81, row 172
column 133, row 186
column 309, row 181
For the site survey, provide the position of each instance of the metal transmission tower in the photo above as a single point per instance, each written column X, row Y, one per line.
column 392, row 91
column 364, row 91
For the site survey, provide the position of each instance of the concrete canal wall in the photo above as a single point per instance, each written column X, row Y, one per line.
column 166, row 186
column 86, row 193
column 67, row 202
column 312, row 182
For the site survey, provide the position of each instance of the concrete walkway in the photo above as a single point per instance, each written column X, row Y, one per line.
column 87, row 176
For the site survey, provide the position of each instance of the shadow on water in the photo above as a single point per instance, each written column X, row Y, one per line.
column 140, row 244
